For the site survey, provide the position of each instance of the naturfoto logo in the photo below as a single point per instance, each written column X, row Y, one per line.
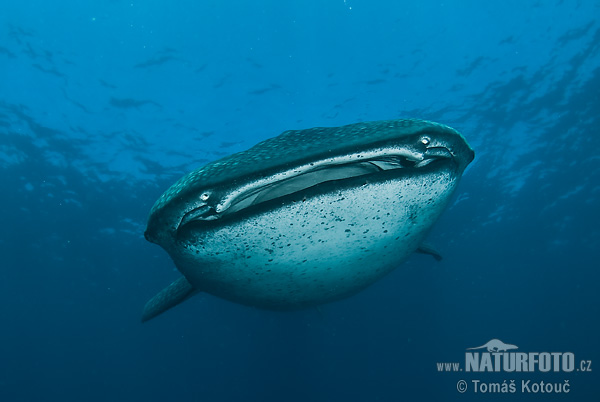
column 499, row 357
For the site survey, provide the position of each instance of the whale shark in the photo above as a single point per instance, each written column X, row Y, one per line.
column 307, row 217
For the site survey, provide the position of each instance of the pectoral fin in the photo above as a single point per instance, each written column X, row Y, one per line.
column 170, row 296
column 429, row 249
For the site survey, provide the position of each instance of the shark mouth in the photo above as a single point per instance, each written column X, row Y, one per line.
column 311, row 175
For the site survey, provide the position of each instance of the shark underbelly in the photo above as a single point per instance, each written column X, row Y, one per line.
column 313, row 248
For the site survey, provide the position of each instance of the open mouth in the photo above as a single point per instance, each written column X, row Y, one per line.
column 311, row 175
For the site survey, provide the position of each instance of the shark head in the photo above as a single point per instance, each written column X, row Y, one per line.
column 309, row 216
column 298, row 160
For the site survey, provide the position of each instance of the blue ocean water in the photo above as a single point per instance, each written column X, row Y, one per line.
column 103, row 105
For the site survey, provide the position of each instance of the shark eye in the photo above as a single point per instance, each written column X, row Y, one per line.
column 425, row 140
column 204, row 196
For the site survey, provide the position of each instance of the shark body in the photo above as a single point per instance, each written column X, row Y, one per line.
column 309, row 216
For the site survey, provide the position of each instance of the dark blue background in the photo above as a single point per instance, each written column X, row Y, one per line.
column 103, row 105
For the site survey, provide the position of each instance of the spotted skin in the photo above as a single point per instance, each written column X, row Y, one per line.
column 315, row 245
